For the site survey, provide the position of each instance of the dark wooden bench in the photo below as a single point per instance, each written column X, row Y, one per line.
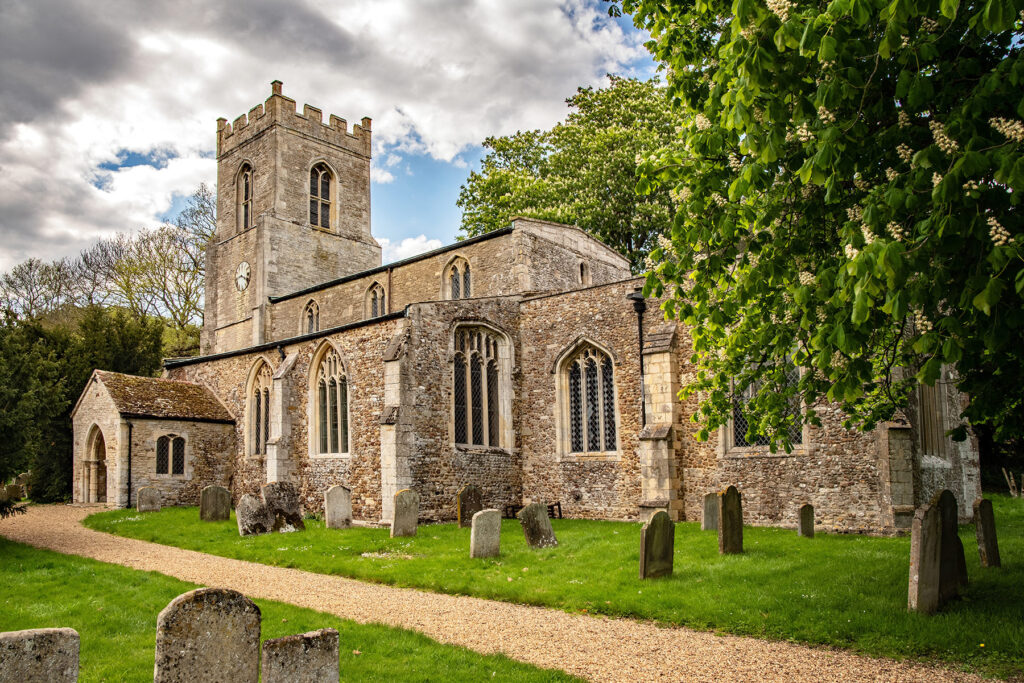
column 511, row 510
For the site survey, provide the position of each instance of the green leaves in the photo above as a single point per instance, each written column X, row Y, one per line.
column 949, row 7
column 988, row 297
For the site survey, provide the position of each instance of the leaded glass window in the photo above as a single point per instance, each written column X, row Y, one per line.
column 178, row 455
column 741, row 424
column 590, row 382
column 311, row 318
column 320, row 196
column 259, row 410
column 244, row 191
column 375, row 301
column 459, row 280
column 162, row 450
column 476, row 387
column 332, row 405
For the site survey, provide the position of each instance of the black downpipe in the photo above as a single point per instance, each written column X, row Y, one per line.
column 639, row 305
column 129, row 464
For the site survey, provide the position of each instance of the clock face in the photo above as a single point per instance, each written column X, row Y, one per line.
column 242, row 274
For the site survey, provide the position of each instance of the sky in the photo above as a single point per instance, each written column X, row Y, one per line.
column 108, row 109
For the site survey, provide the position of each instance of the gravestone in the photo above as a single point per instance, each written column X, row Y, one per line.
column 657, row 546
column 925, row 543
column 806, row 527
column 282, row 501
column 730, row 522
column 13, row 492
column 537, row 526
column 39, row 655
column 209, row 634
column 214, row 504
column 3, row 493
column 468, row 502
column 709, row 522
column 985, row 530
column 252, row 516
column 406, row 514
column 485, row 536
column 22, row 481
column 304, row 658
column 952, row 563
column 338, row 507
column 148, row 499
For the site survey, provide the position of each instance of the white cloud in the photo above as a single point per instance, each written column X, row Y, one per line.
column 410, row 246
column 379, row 175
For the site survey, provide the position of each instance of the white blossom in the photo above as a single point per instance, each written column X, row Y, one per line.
column 905, row 152
column 936, row 179
column 735, row 163
column 903, row 119
column 1014, row 130
column 945, row 143
column 867, row 233
column 825, row 115
column 701, row 122
column 972, row 186
column 806, row 278
column 896, row 230
column 851, row 251
column 803, row 133
column 665, row 243
column 1000, row 236
column 860, row 183
column 781, row 8
column 855, row 212
column 891, row 174
column 922, row 323
column 718, row 199
column 929, row 25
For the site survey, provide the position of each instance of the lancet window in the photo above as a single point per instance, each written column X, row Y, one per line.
column 331, row 405
column 476, row 387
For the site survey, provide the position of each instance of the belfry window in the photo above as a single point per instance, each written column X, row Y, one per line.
column 259, row 411
column 311, row 318
column 376, row 304
column 244, row 194
column 589, row 377
column 458, row 282
column 320, row 196
column 476, row 390
column 331, row 413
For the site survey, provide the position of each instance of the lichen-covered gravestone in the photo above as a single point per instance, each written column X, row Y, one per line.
column 537, row 526
column 709, row 522
column 468, row 502
column 730, row 522
column 806, row 525
column 985, row 530
column 13, row 492
column 209, row 634
column 406, row 514
column 214, row 504
column 952, row 563
column 22, row 481
column 657, row 546
column 148, row 499
column 485, row 536
column 282, row 501
column 338, row 507
column 304, row 658
column 925, row 546
column 39, row 655
column 252, row 516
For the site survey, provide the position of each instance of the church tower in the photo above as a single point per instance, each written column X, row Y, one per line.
column 293, row 210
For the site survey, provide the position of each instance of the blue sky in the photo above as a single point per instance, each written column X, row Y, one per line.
column 108, row 107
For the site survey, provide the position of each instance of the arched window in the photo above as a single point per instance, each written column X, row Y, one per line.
column 458, row 283
column 476, row 387
column 584, row 273
column 331, row 406
column 589, row 379
column 244, row 194
column 376, row 305
column 170, row 455
column 320, row 196
column 259, row 410
column 311, row 318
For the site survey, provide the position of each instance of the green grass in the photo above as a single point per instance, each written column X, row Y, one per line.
column 840, row 590
column 114, row 610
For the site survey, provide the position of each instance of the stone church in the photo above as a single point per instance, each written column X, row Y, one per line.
column 525, row 361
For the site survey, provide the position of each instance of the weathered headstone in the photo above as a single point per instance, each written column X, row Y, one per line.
column 806, row 527
column 148, row 499
column 214, row 504
column 485, row 536
column 657, row 546
column 282, row 501
column 953, row 564
column 338, row 507
column 252, row 516
column 730, row 522
column 209, row 634
column 468, row 502
column 406, row 514
column 985, row 530
column 3, row 493
column 13, row 492
column 925, row 544
column 537, row 526
column 39, row 655
column 22, row 481
column 709, row 522
column 304, row 658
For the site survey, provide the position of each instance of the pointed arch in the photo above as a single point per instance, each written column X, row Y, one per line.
column 481, row 368
column 310, row 320
column 457, row 279
column 375, row 301
column 244, row 189
column 257, row 407
column 322, row 191
column 329, row 395
column 94, row 467
column 587, row 411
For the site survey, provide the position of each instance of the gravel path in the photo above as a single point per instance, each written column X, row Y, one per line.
column 596, row 648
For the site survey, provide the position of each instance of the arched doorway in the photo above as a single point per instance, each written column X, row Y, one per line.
column 94, row 469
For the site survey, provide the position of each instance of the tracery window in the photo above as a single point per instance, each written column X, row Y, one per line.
column 740, row 423
column 589, row 377
column 320, row 196
column 311, row 318
column 170, row 455
column 458, row 279
column 259, row 411
column 476, row 389
column 331, row 405
column 244, row 194
column 376, row 305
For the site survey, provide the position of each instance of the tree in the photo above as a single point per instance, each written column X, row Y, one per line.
column 581, row 171
column 848, row 186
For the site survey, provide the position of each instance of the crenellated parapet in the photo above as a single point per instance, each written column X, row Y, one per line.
column 281, row 110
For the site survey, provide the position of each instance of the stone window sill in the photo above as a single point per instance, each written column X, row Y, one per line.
column 743, row 452
column 611, row 456
column 331, row 456
column 469, row 449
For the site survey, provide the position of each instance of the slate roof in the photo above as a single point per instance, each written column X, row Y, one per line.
column 164, row 399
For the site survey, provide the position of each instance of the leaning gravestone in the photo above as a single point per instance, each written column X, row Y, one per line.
column 39, row 655
column 806, row 527
column 338, row 507
column 22, row 481
column 282, row 501
column 953, row 564
column 730, row 522
column 709, row 522
column 252, row 516
column 468, row 502
column 406, row 514
column 537, row 526
column 925, row 551
column 214, row 504
column 985, row 530
column 148, row 499
column 485, row 536
column 657, row 546
column 209, row 634
column 305, row 658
